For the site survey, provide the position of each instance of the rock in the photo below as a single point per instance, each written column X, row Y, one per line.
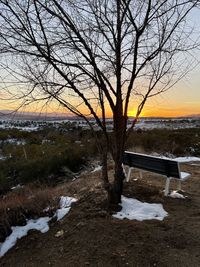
column 59, row 233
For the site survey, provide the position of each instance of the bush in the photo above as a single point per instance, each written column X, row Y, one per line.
column 26, row 203
column 177, row 142
column 5, row 183
column 47, row 161
column 44, row 167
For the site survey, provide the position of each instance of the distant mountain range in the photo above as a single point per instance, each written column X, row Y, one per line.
column 16, row 115
column 192, row 116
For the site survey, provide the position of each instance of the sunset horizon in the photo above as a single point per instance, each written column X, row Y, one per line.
column 30, row 113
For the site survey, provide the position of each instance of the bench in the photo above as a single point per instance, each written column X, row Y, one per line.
column 167, row 167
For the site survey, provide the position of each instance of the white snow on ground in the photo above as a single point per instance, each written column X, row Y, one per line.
column 18, row 232
column 65, row 206
column 185, row 176
column 27, row 129
column 186, row 159
column 171, row 157
column 66, row 201
column 17, row 187
column 40, row 224
column 175, row 194
column 2, row 158
column 14, row 141
column 133, row 209
column 179, row 159
column 97, row 168
column 61, row 213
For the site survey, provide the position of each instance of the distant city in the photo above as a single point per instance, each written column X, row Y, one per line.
column 35, row 121
column 37, row 116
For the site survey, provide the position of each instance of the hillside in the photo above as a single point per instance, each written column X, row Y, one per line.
column 90, row 236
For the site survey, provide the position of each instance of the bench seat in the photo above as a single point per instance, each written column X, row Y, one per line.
column 166, row 167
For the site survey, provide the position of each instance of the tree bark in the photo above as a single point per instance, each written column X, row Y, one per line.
column 116, row 188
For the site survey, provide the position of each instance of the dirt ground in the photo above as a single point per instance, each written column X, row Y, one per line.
column 92, row 237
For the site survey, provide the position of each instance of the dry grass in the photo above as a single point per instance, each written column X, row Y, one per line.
column 25, row 203
column 31, row 201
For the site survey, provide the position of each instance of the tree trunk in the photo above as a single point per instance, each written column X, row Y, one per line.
column 116, row 189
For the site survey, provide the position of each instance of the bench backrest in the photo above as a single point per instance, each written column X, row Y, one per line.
column 167, row 167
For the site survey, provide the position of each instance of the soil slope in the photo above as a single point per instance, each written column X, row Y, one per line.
column 92, row 237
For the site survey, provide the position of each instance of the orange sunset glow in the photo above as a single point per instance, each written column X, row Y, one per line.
column 174, row 103
column 182, row 99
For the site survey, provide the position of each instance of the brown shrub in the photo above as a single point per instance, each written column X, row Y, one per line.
column 25, row 203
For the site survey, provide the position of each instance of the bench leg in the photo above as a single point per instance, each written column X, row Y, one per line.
column 124, row 169
column 129, row 174
column 167, row 186
column 179, row 185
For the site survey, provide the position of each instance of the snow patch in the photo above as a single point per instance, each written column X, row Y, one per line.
column 66, row 201
column 18, row 232
column 2, row 157
column 96, row 169
column 185, row 176
column 133, row 209
column 178, row 159
column 60, row 213
column 186, row 159
column 175, row 194
column 26, row 129
column 40, row 224
column 15, row 141
column 17, row 187
column 65, row 206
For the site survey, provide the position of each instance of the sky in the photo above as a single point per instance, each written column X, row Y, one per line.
column 184, row 98
column 181, row 100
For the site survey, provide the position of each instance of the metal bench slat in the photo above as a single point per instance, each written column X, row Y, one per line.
column 161, row 166
column 167, row 167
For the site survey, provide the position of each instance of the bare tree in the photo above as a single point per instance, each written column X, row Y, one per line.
column 91, row 55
